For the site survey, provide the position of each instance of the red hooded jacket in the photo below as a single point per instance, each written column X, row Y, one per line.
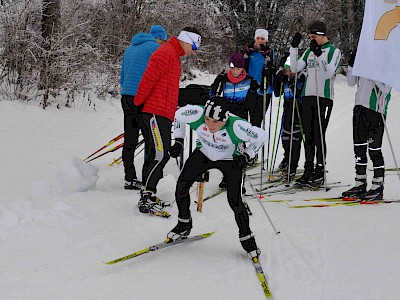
column 158, row 90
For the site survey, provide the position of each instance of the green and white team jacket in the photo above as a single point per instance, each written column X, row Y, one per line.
column 225, row 143
column 371, row 94
column 321, row 71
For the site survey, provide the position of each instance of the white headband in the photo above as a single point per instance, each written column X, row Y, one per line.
column 261, row 32
column 190, row 38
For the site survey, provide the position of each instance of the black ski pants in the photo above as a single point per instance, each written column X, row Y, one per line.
column 286, row 133
column 198, row 163
column 368, row 129
column 314, row 142
column 132, row 126
column 157, row 138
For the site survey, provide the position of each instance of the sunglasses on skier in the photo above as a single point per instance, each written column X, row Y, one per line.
column 194, row 45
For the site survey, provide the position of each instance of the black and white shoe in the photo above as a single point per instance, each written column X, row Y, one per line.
column 249, row 245
column 371, row 195
column 358, row 189
column 306, row 178
column 283, row 166
column 150, row 203
column 180, row 231
column 376, row 191
column 133, row 184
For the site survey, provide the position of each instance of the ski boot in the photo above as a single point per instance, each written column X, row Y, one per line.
column 249, row 245
column 133, row 184
column 358, row 189
column 180, row 231
column 149, row 203
column 307, row 175
column 376, row 191
column 317, row 178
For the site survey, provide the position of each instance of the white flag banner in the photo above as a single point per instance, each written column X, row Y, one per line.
column 378, row 52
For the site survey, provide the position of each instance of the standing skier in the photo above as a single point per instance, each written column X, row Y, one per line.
column 157, row 99
column 221, row 136
column 134, row 63
column 321, row 60
column 259, row 59
column 371, row 101
column 239, row 91
column 291, row 88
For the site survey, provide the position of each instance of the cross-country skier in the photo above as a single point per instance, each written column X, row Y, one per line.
column 372, row 99
column 134, row 63
column 285, row 81
column 259, row 59
column 321, row 61
column 220, row 146
column 239, row 91
column 157, row 100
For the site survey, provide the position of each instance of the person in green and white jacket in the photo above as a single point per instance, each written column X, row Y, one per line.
column 371, row 103
column 220, row 146
column 321, row 61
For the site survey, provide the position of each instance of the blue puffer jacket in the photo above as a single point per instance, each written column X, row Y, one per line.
column 134, row 62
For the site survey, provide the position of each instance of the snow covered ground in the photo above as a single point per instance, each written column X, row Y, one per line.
column 61, row 218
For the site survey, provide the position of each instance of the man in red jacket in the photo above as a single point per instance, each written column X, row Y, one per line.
column 157, row 98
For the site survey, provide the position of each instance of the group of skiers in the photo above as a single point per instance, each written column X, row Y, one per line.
column 229, row 124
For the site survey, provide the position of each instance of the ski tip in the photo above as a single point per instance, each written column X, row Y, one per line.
column 206, row 235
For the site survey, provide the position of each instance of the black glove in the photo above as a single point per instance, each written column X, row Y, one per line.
column 267, row 73
column 281, row 77
column 137, row 110
column 296, row 40
column 176, row 148
column 314, row 47
column 241, row 161
column 283, row 59
column 352, row 57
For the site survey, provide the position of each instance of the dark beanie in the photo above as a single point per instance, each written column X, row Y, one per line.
column 216, row 108
column 236, row 60
column 317, row 27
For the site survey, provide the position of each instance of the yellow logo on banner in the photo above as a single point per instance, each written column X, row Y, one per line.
column 388, row 22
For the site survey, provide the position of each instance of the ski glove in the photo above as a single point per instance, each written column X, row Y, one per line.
column 176, row 148
column 296, row 40
column 284, row 59
column 314, row 47
column 352, row 57
column 241, row 161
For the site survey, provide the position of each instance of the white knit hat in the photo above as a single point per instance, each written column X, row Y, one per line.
column 261, row 32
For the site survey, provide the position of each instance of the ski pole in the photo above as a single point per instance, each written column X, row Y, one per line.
column 292, row 125
column 106, row 145
column 116, row 161
column 263, row 127
column 108, row 151
column 119, row 159
column 388, row 136
column 320, row 127
column 259, row 197
column 276, row 129
column 266, row 213
column 300, row 123
column 276, row 150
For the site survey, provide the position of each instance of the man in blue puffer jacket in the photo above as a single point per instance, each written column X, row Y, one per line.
column 134, row 63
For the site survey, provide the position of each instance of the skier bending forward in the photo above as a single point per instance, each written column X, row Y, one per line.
column 221, row 138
